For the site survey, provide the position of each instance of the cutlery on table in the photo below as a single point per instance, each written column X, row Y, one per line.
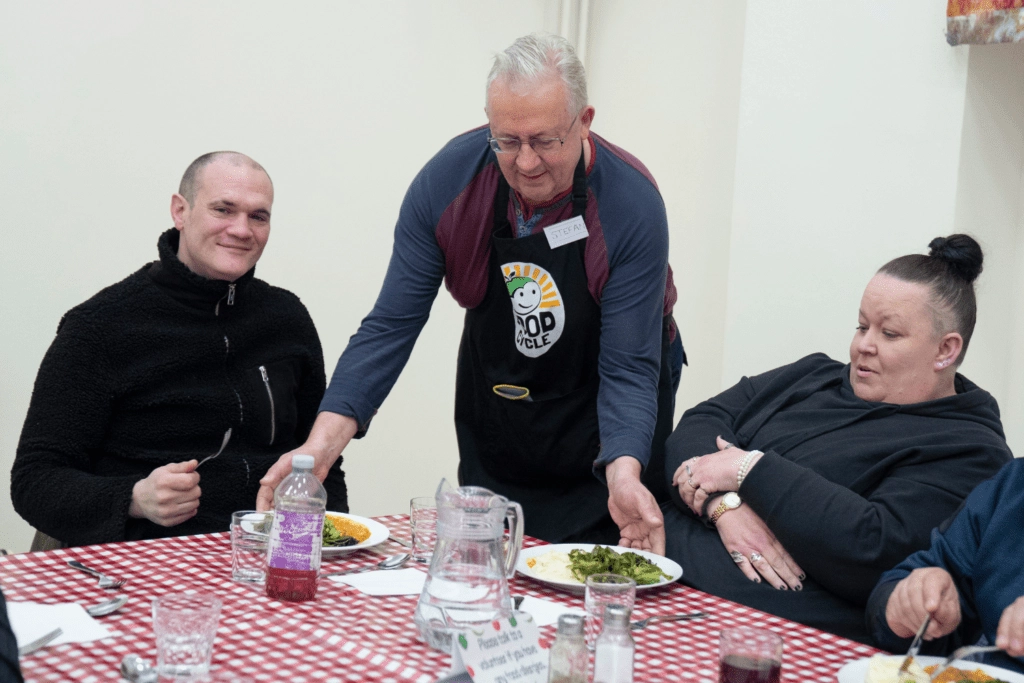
column 29, row 648
column 223, row 445
column 107, row 607
column 961, row 653
column 401, row 542
column 644, row 623
column 392, row 562
column 915, row 645
column 105, row 581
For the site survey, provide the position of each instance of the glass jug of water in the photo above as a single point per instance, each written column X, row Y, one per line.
column 467, row 584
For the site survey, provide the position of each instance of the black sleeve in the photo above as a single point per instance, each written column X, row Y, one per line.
column 313, row 383
column 10, row 671
column 52, row 485
column 699, row 426
column 844, row 540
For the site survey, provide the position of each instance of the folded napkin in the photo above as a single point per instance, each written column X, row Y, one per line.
column 546, row 612
column 30, row 620
column 407, row 581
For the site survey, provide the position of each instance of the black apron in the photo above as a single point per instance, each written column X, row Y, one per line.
column 526, row 388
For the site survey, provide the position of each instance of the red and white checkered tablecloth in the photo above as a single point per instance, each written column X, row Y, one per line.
column 344, row 635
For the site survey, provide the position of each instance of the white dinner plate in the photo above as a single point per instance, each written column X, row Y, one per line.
column 666, row 565
column 855, row 671
column 378, row 533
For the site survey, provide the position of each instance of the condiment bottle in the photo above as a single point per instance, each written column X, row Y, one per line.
column 613, row 652
column 293, row 550
column 568, row 659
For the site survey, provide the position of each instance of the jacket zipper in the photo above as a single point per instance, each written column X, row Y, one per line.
column 231, row 295
column 273, row 419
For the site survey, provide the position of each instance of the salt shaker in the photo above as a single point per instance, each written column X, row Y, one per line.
column 613, row 652
column 568, row 659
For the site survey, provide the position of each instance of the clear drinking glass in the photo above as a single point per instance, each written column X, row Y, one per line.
column 601, row 590
column 249, row 533
column 185, row 625
column 750, row 655
column 423, row 523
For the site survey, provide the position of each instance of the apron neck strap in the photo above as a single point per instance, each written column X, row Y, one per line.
column 579, row 194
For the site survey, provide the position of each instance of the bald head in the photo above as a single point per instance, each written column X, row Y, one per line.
column 192, row 180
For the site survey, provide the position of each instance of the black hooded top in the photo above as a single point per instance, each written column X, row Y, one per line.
column 153, row 370
column 849, row 487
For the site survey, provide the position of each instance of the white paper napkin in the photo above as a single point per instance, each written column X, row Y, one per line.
column 407, row 581
column 30, row 620
column 546, row 612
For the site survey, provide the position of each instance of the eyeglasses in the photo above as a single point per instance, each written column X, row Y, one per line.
column 540, row 146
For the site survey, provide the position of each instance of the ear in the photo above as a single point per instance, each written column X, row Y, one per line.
column 586, row 119
column 179, row 205
column 950, row 347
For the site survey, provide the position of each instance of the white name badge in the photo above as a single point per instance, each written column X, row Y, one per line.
column 566, row 232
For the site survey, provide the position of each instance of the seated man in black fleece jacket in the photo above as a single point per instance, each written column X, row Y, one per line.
column 145, row 378
column 839, row 471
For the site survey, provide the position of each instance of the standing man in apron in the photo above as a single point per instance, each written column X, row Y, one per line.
column 556, row 243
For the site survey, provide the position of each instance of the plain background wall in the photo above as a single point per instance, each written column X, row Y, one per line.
column 798, row 146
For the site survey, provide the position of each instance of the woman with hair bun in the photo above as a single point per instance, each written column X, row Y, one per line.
column 796, row 489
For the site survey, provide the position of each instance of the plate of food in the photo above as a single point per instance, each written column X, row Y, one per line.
column 342, row 534
column 567, row 565
column 884, row 669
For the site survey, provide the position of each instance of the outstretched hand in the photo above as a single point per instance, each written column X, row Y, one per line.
column 633, row 507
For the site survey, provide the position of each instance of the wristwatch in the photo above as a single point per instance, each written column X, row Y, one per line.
column 730, row 501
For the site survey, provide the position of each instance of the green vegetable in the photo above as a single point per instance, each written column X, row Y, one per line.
column 332, row 538
column 603, row 560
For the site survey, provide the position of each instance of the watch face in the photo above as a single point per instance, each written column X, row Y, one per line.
column 732, row 500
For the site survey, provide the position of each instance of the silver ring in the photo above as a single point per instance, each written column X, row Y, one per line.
column 689, row 472
column 755, row 557
column 729, row 444
column 737, row 556
column 692, row 485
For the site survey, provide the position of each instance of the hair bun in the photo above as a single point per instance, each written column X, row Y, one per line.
column 961, row 253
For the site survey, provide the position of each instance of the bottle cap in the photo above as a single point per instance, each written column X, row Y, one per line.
column 616, row 616
column 302, row 462
column 570, row 625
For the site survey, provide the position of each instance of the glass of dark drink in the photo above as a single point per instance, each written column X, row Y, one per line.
column 750, row 655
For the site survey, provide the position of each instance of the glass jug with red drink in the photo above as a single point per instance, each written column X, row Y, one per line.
column 750, row 655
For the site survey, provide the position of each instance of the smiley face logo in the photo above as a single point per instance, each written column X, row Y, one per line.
column 536, row 306
column 525, row 293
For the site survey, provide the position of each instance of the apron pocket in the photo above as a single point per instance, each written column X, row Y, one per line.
column 545, row 443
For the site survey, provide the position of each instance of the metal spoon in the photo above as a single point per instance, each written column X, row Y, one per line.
column 392, row 562
column 223, row 445
column 135, row 668
column 107, row 607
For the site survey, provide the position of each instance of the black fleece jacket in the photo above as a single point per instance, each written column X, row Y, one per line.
column 153, row 370
column 849, row 487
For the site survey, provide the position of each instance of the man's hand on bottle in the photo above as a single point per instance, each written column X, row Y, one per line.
column 330, row 434
column 168, row 496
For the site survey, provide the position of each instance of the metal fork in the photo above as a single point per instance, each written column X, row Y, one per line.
column 961, row 653
column 643, row 623
column 29, row 648
column 105, row 581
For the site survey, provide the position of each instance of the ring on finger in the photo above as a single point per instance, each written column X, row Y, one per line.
column 689, row 472
column 737, row 556
column 755, row 557
column 692, row 485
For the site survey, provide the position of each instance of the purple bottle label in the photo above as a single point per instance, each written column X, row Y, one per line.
column 295, row 540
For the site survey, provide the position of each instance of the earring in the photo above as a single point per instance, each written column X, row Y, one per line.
column 944, row 363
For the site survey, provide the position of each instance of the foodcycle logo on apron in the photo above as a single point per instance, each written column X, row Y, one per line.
column 537, row 307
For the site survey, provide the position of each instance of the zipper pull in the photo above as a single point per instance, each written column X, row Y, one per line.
column 231, row 295
column 263, row 373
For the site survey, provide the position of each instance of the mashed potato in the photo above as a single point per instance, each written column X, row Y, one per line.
column 885, row 669
column 553, row 566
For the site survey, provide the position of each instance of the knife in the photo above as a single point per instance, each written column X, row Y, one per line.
column 915, row 645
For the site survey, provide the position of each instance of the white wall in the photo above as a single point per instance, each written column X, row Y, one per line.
column 798, row 146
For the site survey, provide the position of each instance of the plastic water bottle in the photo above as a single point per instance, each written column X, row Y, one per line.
column 293, row 550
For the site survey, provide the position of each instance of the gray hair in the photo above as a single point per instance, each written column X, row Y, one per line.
column 536, row 55
column 190, row 184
